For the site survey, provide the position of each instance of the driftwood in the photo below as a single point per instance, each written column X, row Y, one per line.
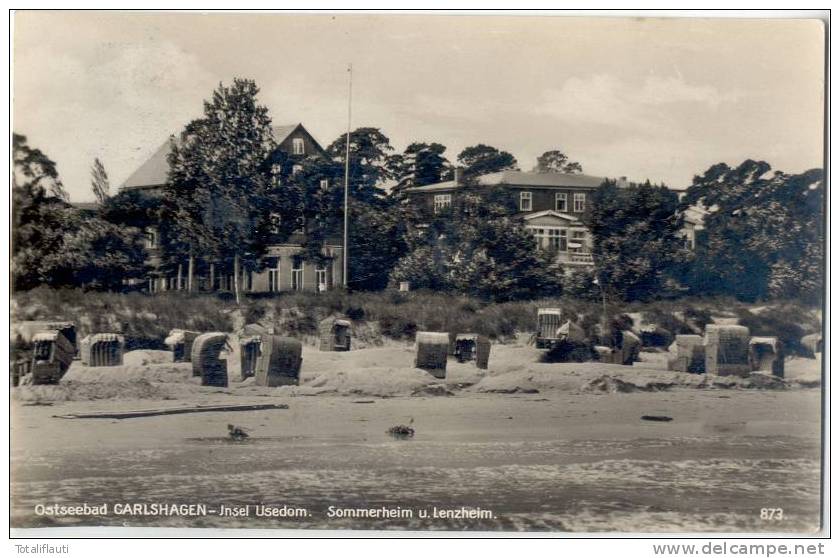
column 173, row 411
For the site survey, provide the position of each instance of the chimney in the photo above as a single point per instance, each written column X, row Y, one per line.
column 459, row 175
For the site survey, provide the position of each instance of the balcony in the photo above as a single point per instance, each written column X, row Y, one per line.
column 580, row 259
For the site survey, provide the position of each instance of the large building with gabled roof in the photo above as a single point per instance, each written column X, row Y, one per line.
column 284, row 269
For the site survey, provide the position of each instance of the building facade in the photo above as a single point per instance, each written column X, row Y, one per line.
column 550, row 204
column 283, row 267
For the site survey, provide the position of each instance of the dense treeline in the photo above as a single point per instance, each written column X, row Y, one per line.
column 230, row 194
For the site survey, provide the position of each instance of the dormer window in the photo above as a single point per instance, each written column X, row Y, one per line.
column 325, row 184
column 524, row 201
column 297, row 146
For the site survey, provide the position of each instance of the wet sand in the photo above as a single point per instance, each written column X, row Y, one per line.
column 560, row 459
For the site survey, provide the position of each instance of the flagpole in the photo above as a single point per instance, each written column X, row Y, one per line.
column 347, row 173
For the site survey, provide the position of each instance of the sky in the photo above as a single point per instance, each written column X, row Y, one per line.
column 658, row 99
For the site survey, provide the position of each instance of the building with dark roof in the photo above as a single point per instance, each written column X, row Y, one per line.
column 284, row 267
column 550, row 204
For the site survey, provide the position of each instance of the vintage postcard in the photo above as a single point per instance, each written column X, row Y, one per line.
column 483, row 272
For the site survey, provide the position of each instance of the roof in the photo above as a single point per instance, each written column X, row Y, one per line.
column 552, row 213
column 440, row 186
column 102, row 337
column 155, row 170
column 85, row 206
column 45, row 336
column 531, row 179
column 519, row 178
column 550, row 179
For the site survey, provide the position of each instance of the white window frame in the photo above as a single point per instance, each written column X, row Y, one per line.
column 274, row 278
column 296, row 279
column 325, row 184
column 151, row 239
column 579, row 198
column 442, row 201
column 551, row 237
column 564, row 197
column 523, row 197
column 296, row 169
column 298, row 147
column 321, row 277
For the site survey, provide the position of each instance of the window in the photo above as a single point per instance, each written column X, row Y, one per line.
column 274, row 278
column 442, row 201
column 580, row 201
column 275, row 222
column 325, row 184
column 297, row 146
column 296, row 169
column 297, row 273
column 553, row 238
column 321, row 278
column 42, row 350
column 151, row 238
column 561, row 202
column 524, row 201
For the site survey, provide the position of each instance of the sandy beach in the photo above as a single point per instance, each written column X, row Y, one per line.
column 529, row 445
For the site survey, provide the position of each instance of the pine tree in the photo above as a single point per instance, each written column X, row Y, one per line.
column 99, row 182
column 637, row 247
column 33, row 169
column 557, row 161
column 763, row 235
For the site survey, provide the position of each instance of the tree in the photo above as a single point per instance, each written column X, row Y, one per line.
column 763, row 235
column 131, row 208
column 95, row 254
column 377, row 242
column 54, row 244
column 420, row 164
column 319, row 184
column 369, row 161
column 480, row 249
column 33, row 169
column 557, row 161
column 225, row 197
column 484, row 159
column 637, row 248
column 99, row 181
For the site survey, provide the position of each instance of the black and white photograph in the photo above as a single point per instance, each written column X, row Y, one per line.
column 417, row 272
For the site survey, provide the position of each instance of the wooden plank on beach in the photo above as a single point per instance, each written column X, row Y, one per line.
column 172, row 411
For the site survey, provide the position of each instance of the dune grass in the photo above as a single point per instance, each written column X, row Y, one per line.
column 147, row 319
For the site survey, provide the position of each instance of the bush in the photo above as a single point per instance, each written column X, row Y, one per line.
column 144, row 320
column 788, row 322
